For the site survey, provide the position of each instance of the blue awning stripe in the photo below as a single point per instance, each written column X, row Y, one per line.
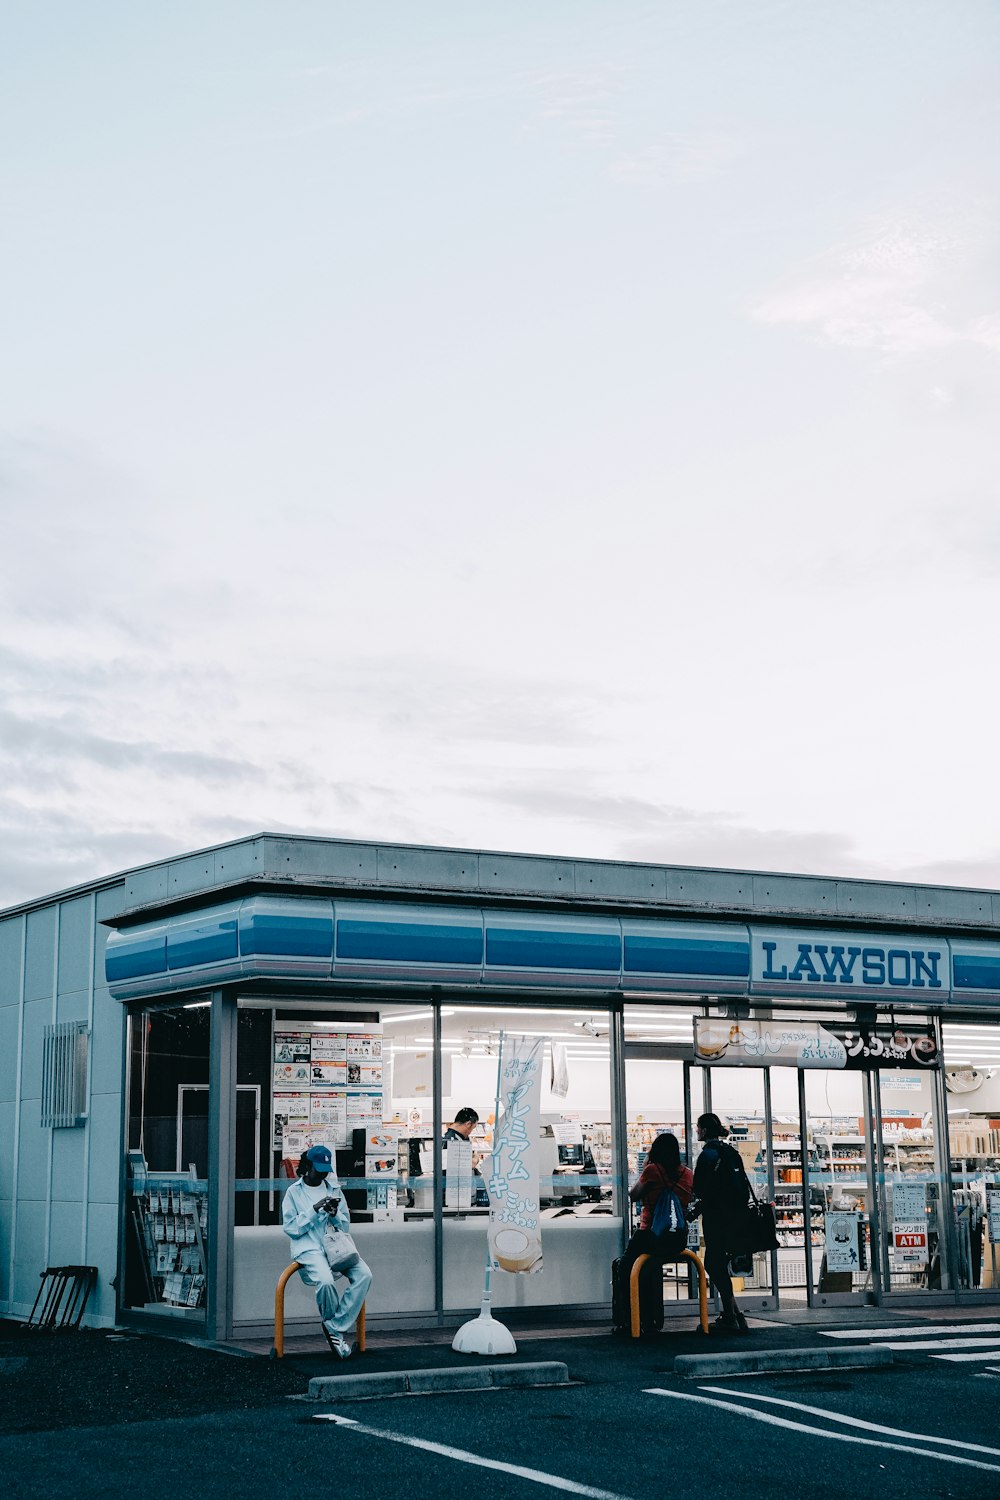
column 975, row 971
column 288, row 936
column 651, row 954
column 410, row 942
column 521, row 948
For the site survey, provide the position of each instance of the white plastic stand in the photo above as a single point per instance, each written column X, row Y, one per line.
column 484, row 1335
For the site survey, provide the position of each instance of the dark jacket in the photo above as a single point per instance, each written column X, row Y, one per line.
column 720, row 1184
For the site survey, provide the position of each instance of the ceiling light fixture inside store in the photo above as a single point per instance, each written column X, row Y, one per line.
column 413, row 1015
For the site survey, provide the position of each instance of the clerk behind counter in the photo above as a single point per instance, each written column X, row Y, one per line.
column 461, row 1129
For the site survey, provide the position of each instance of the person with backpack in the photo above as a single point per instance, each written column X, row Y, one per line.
column 664, row 1189
column 721, row 1190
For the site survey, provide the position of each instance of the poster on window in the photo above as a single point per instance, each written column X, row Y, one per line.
column 291, row 1075
column 515, row 1236
column 297, row 1142
column 327, row 1074
column 807, row 1044
column 364, row 1046
column 329, row 1046
column 909, row 1225
column 289, row 1112
column 329, row 1107
column 364, row 1111
column 842, row 1241
column 291, row 1046
column 993, row 1214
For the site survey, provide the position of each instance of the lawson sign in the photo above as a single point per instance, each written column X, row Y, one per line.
column 796, row 961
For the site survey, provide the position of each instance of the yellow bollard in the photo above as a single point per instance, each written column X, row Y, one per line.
column 278, row 1352
column 633, row 1291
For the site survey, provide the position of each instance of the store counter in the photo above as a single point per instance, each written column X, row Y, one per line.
column 577, row 1248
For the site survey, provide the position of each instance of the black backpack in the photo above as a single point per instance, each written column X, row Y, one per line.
column 731, row 1185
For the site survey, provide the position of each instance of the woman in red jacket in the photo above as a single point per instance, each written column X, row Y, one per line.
column 663, row 1168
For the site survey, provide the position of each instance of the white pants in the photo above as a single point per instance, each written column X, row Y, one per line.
column 338, row 1309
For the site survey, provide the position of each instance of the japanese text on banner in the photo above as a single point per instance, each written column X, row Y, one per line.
column 514, row 1234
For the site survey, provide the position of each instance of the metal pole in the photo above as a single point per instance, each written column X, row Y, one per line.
column 876, row 1176
column 221, row 1174
column 436, row 1169
column 769, row 1174
column 947, row 1225
column 807, row 1239
column 619, row 1119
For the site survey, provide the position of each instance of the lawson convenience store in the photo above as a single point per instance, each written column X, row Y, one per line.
column 173, row 1036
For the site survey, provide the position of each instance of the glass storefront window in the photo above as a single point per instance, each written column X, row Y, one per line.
column 972, row 1089
column 579, row 1213
column 166, row 1229
column 356, row 1076
column 359, row 1076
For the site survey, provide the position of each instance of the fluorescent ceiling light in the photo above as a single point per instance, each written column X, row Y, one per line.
column 413, row 1015
column 197, row 1005
column 522, row 1010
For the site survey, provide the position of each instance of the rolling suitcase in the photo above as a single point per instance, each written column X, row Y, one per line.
column 650, row 1296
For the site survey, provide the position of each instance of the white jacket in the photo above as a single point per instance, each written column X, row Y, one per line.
column 300, row 1221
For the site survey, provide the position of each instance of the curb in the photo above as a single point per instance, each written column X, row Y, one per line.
column 423, row 1382
column 694, row 1366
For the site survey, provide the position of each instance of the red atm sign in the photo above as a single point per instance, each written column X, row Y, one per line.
column 910, row 1239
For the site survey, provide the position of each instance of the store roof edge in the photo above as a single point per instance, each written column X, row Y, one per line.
column 474, row 893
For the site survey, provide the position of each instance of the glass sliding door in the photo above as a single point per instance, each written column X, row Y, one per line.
column 741, row 1097
column 972, row 1092
column 663, row 1093
column 839, row 1185
column 912, row 1162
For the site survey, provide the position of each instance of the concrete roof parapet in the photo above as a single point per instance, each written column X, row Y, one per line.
column 871, row 898
column 320, row 865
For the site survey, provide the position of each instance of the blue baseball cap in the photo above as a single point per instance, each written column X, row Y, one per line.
column 320, row 1158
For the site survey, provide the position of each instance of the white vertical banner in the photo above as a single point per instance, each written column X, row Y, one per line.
column 515, row 1236
column 559, row 1080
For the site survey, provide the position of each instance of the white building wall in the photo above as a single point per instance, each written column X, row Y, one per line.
column 58, row 1187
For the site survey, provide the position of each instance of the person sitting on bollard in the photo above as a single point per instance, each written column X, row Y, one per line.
column 663, row 1170
column 315, row 1218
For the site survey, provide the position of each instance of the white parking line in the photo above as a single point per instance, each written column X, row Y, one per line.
column 821, row 1432
column 834, row 1416
column 985, row 1348
column 992, row 1353
column 940, row 1330
column 537, row 1476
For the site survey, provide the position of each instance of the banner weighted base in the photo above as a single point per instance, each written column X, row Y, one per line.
column 484, row 1335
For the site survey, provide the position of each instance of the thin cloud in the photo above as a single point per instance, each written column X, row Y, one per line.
column 66, row 740
column 902, row 290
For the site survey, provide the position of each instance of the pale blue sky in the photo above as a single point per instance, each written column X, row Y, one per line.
column 567, row 427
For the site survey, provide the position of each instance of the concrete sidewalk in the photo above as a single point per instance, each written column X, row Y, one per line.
column 592, row 1354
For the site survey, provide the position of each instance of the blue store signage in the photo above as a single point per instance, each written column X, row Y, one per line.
column 784, row 960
